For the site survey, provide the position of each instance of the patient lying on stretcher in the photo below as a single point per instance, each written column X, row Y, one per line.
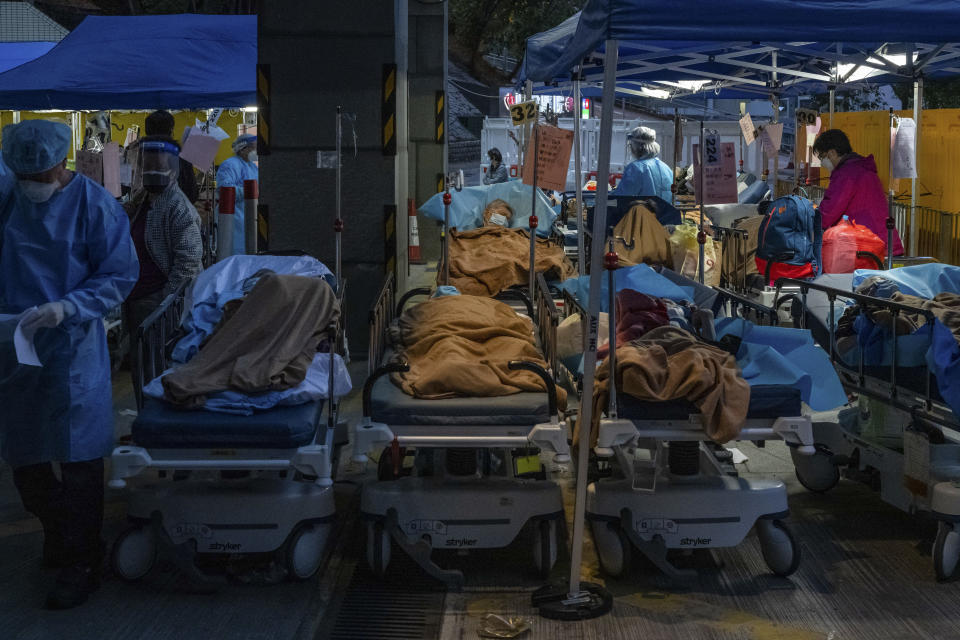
column 461, row 345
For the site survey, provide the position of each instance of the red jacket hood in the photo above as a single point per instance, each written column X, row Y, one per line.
column 859, row 163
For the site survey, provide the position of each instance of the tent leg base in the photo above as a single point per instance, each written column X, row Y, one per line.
column 554, row 601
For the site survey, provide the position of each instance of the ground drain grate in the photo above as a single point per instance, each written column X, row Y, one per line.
column 406, row 605
column 377, row 610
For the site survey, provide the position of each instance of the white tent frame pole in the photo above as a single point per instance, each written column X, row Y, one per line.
column 578, row 171
column 917, row 115
column 585, row 418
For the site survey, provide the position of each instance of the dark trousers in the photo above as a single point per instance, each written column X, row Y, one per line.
column 69, row 508
column 135, row 312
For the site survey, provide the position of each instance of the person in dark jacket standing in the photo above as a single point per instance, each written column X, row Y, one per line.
column 497, row 172
column 160, row 123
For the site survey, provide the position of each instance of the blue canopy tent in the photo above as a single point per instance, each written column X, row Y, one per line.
column 765, row 45
column 141, row 62
column 14, row 54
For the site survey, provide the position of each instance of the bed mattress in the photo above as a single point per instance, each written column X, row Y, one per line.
column 767, row 401
column 160, row 425
column 390, row 405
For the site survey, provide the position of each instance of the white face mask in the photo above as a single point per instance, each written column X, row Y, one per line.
column 498, row 220
column 826, row 164
column 38, row 192
column 252, row 157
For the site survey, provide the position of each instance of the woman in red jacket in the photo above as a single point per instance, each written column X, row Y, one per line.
column 855, row 189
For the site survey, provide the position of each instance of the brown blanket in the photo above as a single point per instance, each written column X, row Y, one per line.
column 640, row 238
column 266, row 345
column 668, row 364
column 485, row 261
column 461, row 345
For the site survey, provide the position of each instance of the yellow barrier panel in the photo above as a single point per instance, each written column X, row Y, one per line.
column 229, row 122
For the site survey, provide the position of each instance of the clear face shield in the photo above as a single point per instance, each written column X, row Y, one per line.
column 157, row 167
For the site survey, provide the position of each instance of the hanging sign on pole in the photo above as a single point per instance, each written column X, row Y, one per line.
column 524, row 112
column 551, row 146
column 749, row 131
column 720, row 174
column 770, row 138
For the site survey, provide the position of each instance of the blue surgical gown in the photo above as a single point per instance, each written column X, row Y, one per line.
column 650, row 177
column 232, row 173
column 74, row 247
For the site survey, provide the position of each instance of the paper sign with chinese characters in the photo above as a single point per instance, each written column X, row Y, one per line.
column 720, row 175
column 770, row 137
column 552, row 146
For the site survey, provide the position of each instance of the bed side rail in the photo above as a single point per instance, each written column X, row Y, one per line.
column 733, row 242
column 380, row 317
column 154, row 340
column 740, row 305
column 861, row 385
column 548, row 317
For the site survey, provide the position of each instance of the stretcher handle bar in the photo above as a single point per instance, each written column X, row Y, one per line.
column 492, row 441
column 868, row 301
column 874, row 257
column 413, row 293
column 516, row 294
column 515, row 365
column 151, row 339
column 387, row 369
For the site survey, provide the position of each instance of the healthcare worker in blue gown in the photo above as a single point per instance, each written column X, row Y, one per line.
column 66, row 259
column 647, row 175
column 232, row 173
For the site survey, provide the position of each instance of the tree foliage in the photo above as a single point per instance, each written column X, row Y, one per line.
column 490, row 26
column 937, row 94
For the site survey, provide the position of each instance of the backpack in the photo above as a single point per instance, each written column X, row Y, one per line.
column 791, row 237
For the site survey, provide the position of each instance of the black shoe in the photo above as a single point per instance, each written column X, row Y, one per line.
column 74, row 585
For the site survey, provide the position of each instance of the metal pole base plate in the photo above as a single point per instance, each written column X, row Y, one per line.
column 557, row 603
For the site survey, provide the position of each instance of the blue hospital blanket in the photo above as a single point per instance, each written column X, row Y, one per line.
column 782, row 356
column 314, row 387
column 921, row 280
column 466, row 206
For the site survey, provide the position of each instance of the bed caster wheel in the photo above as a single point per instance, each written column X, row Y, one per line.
column 614, row 550
column 946, row 552
column 378, row 548
column 816, row 473
column 780, row 549
column 134, row 553
column 545, row 547
column 305, row 550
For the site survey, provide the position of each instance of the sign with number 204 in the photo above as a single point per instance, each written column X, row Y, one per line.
column 523, row 113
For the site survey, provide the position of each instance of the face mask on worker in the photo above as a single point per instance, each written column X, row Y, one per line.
column 38, row 192
column 498, row 219
column 252, row 157
column 826, row 164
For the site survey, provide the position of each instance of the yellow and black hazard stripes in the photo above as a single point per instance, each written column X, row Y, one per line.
column 440, row 128
column 388, row 110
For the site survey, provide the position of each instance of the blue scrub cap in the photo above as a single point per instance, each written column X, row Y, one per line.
column 243, row 141
column 35, row 146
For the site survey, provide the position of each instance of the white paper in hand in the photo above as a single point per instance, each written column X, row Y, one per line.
column 23, row 340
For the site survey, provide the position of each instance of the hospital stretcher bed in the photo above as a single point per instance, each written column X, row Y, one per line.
column 914, row 460
column 477, row 478
column 669, row 487
column 204, row 483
